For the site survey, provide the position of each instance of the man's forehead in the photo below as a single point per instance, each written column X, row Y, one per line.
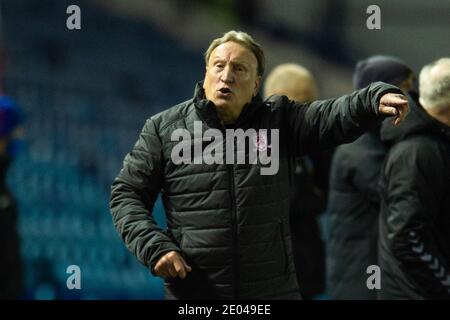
column 234, row 51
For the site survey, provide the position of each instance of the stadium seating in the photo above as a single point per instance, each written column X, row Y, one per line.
column 86, row 95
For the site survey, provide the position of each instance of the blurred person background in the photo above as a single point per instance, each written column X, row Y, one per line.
column 354, row 200
column 414, row 243
column 308, row 199
column 86, row 94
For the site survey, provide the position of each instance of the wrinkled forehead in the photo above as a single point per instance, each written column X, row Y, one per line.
column 235, row 52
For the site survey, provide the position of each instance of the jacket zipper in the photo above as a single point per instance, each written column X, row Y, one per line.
column 230, row 168
column 283, row 244
column 235, row 235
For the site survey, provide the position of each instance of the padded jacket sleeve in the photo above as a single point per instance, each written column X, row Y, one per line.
column 328, row 123
column 133, row 194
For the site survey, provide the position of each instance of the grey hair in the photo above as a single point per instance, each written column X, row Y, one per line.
column 434, row 85
column 243, row 39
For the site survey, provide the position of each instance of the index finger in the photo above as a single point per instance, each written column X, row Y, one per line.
column 401, row 96
column 179, row 268
column 403, row 110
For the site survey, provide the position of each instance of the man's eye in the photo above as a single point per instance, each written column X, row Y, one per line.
column 219, row 65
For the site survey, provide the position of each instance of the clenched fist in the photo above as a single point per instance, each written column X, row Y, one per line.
column 394, row 104
column 172, row 265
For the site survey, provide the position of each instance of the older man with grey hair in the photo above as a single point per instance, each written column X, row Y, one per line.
column 414, row 247
column 434, row 82
column 227, row 233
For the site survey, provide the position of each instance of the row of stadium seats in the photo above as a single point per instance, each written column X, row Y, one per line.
column 85, row 95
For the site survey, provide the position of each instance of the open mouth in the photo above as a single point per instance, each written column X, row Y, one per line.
column 225, row 90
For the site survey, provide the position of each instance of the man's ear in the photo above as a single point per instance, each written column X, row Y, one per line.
column 257, row 84
column 204, row 77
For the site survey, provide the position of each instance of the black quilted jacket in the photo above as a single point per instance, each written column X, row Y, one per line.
column 229, row 222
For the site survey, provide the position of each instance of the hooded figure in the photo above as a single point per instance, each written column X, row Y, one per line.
column 353, row 200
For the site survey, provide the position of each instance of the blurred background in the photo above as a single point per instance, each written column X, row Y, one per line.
column 84, row 96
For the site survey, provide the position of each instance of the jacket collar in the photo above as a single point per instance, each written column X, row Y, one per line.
column 207, row 110
column 435, row 125
column 442, row 128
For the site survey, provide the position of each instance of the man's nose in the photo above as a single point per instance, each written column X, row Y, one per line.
column 227, row 75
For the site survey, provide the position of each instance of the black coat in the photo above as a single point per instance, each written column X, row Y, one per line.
column 353, row 207
column 10, row 260
column 414, row 244
column 229, row 222
column 308, row 201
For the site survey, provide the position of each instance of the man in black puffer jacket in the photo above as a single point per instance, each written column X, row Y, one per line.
column 354, row 204
column 228, row 223
column 414, row 247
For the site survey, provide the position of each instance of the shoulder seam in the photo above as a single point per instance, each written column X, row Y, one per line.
column 179, row 117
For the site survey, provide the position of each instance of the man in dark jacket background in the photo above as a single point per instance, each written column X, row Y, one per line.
column 414, row 249
column 227, row 233
column 353, row 204
column 308, row 199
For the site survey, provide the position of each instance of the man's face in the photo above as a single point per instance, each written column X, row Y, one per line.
column 231, row 76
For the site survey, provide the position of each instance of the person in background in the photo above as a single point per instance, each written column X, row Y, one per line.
column 308, row 198
column 353, row 203
column 414, row 241
column 10, row 262
column 291, row 80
